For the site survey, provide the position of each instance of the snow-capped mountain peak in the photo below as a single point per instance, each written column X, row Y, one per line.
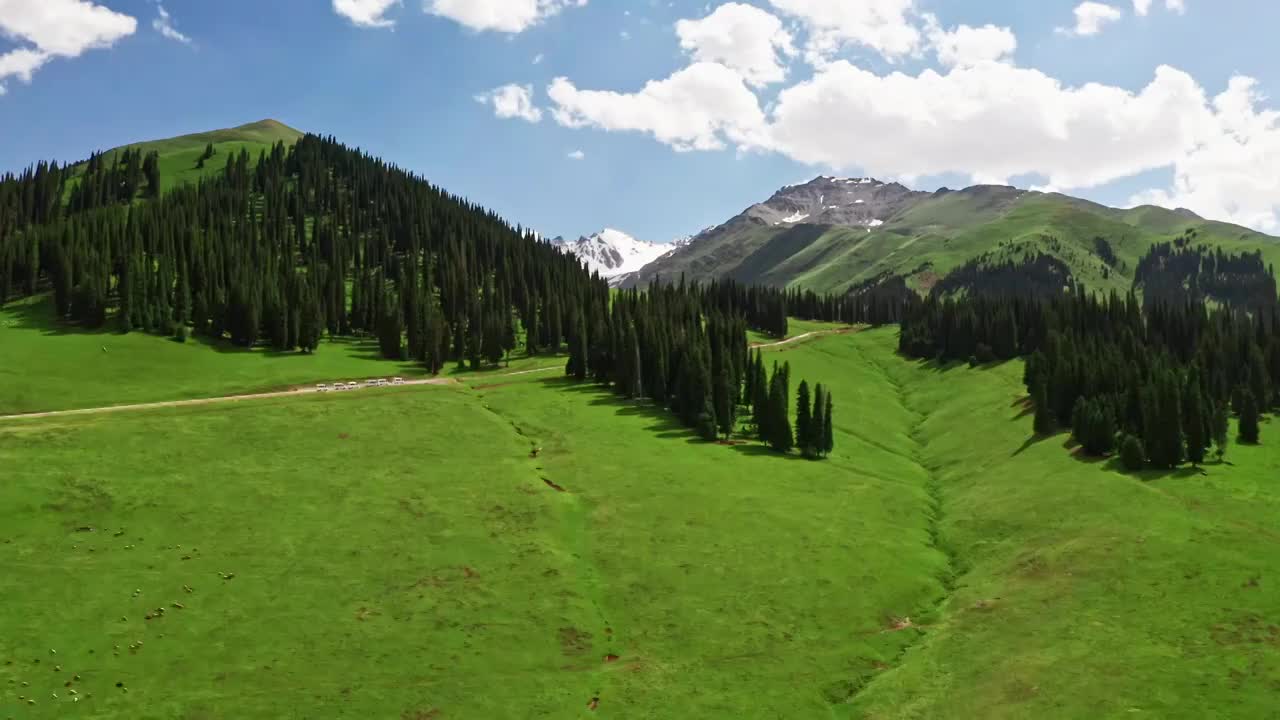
column 613, row 253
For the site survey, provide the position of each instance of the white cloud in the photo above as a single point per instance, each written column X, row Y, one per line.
column 512, row 101
column 366, row 13
column 537, row 59
column 989, row 120
column 21, row 63
column 1091, row 17
column 967, row 45
column 1142, row 7
column 1231, row 174
column 56, row 28
column 697, row 108
column 742, row 37
column 163, row 24
column 509, row 16
column 577, row 155
column 882, row 25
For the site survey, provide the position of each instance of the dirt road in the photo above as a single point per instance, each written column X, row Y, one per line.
column 292, row 392
column 798, row 338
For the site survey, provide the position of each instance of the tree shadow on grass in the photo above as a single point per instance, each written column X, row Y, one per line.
column 37, row 314
column 1033, row 441
column 1113, row 463
column 947, row 366
column 663, row 423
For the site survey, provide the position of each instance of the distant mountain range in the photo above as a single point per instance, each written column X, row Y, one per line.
column 616, row 255
column 832, row 234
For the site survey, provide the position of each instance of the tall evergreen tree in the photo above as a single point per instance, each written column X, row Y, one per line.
column 1249, row 419
column 780, row 436
column 828, row 435
column 1195, row 420
column 804, row 421
column 819, row 418
column 1043, row 422
column 1221, row 430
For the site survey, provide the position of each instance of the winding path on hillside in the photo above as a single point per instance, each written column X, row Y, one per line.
column 811, row 333
column 292, row 392
column 311, row 390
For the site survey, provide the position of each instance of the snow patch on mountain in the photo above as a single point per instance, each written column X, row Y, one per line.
column 613, row 253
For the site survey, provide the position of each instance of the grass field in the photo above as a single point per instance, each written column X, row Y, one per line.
column 48, row 365
column 179, row 156
column 795, row 328
column 403, row 553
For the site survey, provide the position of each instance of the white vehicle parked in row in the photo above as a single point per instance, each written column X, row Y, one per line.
column 322, row 388
column 353, row 386
column 397, row 381
column 382, row 382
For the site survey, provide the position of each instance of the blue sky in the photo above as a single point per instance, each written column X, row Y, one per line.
column 861, row 87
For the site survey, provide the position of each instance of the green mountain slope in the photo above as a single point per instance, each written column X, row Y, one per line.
column 923, row 236
column 180, row 156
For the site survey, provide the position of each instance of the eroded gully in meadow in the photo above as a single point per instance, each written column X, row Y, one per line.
column 936, row 497
column 574, row 537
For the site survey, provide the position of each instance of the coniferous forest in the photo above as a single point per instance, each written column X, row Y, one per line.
column 1154, row 381
column 317, row 239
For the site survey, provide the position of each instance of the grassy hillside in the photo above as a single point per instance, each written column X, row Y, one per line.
column 179, row 156
column 402, row 553
column 937, row 234
column 48, row 365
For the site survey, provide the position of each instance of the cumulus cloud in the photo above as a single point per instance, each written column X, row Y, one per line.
column 512, row 101
column 697, row 108
column 1230, row 174
column 979, row 115
column 967, row 45
column 366, row 13
column 21, row 63
column 508, row 16
column 56, row 28
column 163, row 24
column 1091, row 17
column 989, row 120
column 577, row 155
column 742, row 37
column 885, row 26
column 1142, row 7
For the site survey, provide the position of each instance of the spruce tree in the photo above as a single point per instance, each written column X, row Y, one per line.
column 1132, row 455
column 804, row 421
column 1194, row 419
column 1249, row 419
column 828, row 435
column 725, row 405
column 818, row 421
column 1043, row 422
column 706, row 422
column 1221, row 430
column 576, row 366
column 780, row 437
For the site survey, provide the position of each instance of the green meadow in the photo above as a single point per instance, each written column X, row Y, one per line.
column 180, row 156
column 517, row 547
column 47, row 365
